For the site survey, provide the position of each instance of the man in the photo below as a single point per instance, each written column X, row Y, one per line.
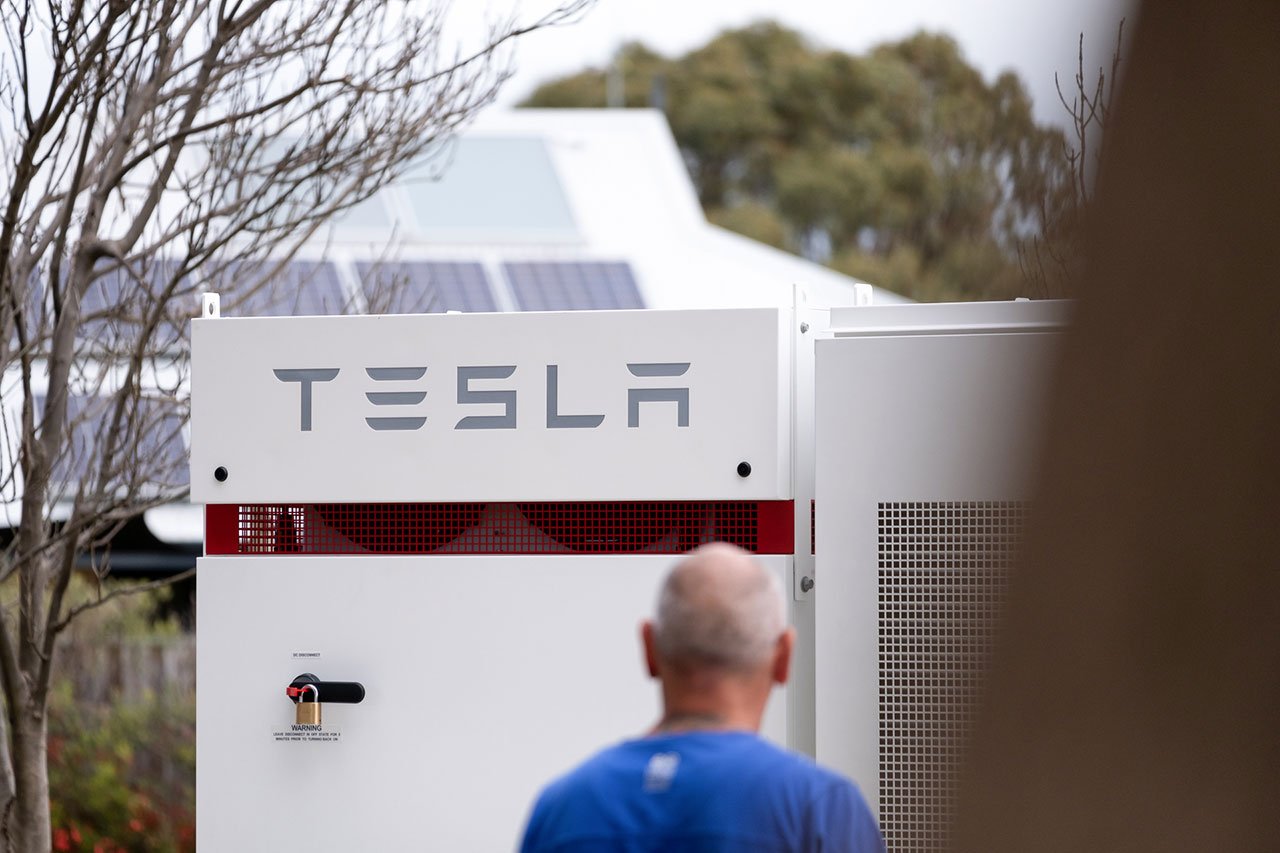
column 703, row 779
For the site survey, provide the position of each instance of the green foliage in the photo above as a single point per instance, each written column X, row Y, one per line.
column 755, row 220
column 122, row 778
column 131, row 616
column 917, row 170
column 118, row 617
column 899, row 270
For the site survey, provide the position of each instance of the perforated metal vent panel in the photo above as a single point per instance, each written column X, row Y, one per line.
column 588, row 527
column 943, row 571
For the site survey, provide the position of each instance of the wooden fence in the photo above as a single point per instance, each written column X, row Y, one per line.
column 130, row 671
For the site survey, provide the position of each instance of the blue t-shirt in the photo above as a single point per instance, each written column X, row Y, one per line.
column 701, row 791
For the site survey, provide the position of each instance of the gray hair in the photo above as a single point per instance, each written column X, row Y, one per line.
column 719, row 608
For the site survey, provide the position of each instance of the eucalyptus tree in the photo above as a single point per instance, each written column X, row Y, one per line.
column 903, row 165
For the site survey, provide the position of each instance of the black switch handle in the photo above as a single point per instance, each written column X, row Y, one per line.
column 348, row 692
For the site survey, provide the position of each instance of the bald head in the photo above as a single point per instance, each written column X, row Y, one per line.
column 719, row 608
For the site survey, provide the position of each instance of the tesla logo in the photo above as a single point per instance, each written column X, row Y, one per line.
column 397, row 401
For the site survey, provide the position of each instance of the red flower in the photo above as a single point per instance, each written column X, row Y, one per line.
column 61, row 840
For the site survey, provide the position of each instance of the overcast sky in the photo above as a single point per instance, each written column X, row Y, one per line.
column 1033, row 37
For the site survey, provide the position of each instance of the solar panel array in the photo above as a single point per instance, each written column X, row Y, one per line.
column 309, row 288
column 425, row 287
column 121, row 305
column 153, row 453
column 572, row 285
column 33, row 314
column 300, row 288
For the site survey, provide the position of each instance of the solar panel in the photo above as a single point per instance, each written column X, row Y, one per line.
column 572, row 285
column 425, row 287
column 301, row 288
column 155, row 454
column 33, row 313
column 505, row 186
column 121, row 305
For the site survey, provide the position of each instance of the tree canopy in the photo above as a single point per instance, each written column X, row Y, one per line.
column 903, row 166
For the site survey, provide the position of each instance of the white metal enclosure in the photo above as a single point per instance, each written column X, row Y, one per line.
column 469, row 515
column 486, row 677
column 925, row 422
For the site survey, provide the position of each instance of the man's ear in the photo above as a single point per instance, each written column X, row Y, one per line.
column 782, row 655
column 650, row 648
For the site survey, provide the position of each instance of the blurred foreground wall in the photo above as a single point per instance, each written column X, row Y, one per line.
column 1135, row 699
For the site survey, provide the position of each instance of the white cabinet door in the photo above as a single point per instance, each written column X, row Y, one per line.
column 924, row 452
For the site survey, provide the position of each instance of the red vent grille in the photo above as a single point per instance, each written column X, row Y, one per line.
column 599, row 527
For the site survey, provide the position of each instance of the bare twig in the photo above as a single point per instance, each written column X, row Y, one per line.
column 1048, row 258
column 146, row 148
column 119, row 592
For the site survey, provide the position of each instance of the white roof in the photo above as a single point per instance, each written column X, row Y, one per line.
column 580, row 185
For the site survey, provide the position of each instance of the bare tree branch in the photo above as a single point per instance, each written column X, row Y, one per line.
column 148, row 148
column 1047, row 258
column 119, row 592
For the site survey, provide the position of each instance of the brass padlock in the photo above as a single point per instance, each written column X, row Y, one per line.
column 307, row 687
column 308, row 713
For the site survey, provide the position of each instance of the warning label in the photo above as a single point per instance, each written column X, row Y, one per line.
column 307, row 734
